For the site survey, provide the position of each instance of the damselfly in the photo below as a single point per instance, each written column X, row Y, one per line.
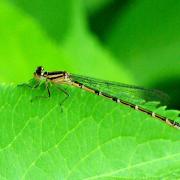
column 117, row 92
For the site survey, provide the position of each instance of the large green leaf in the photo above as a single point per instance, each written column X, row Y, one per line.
column 88, row 137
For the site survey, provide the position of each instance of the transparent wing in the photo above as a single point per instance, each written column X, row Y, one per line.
column 126, row 92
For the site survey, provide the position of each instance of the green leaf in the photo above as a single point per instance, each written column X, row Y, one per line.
column 26, row 34
column 87, row 137
column 93, row 6
column 24, row 45
column 146, row 38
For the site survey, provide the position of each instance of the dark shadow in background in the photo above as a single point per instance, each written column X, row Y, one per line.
column 101, row 22
column 54, row 16
column 171, row 86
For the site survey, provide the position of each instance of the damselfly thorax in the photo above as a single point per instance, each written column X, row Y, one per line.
column 58, row 77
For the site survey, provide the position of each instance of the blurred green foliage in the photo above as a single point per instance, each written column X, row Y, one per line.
column 133, row 41
column 75, row 49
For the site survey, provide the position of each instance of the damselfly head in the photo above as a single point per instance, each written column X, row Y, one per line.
column 39, row 72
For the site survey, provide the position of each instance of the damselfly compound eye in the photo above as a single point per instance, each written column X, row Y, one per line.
column 39, row 71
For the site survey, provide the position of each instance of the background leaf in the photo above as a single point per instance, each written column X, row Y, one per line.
column 146, row 39
column 35, row 47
